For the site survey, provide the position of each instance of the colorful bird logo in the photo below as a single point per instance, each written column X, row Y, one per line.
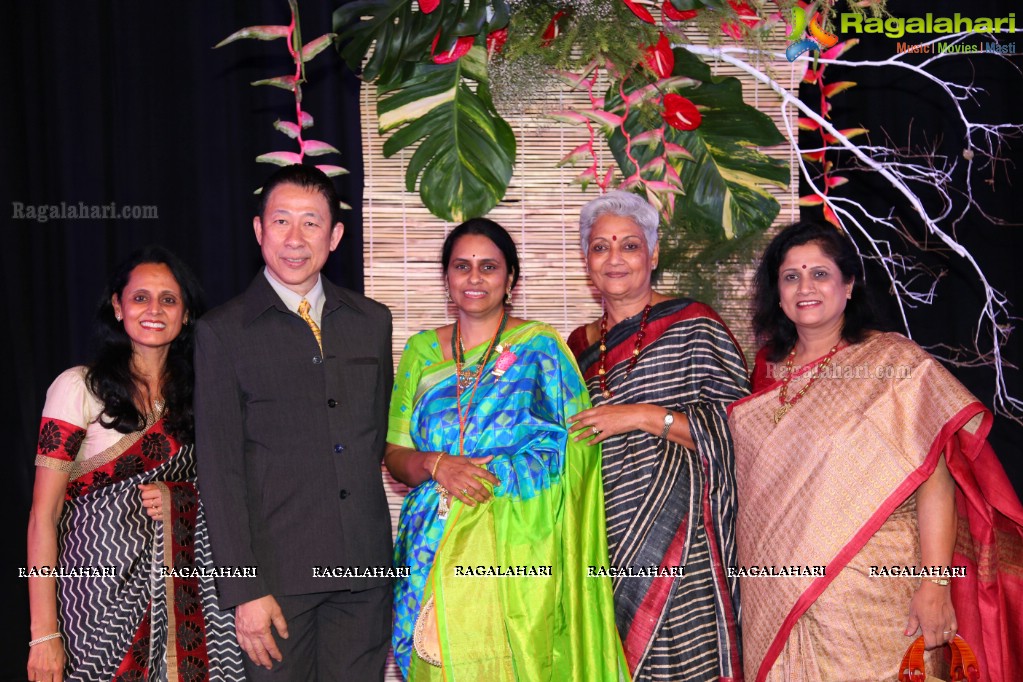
column 819, row 38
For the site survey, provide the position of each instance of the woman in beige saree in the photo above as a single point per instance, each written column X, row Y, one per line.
column 860, row 459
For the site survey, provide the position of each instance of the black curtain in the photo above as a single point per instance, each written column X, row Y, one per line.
column 127, row 102
column 908, row 113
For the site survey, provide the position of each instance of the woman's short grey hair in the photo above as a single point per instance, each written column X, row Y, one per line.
column 624, row 205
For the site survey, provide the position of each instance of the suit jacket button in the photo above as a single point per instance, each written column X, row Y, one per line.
column 331, row 403
column 317, row 360
column 339, row 448
column 343, row 494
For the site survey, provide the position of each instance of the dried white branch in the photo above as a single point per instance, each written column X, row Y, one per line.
column 982, row 143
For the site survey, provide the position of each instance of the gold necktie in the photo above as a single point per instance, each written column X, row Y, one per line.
column 303, row 312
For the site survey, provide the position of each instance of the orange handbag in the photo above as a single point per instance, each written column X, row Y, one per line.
column 963, row 666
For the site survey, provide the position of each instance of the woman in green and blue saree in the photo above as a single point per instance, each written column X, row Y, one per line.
column 503, row 528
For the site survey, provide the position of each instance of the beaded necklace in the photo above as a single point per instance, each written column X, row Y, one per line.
column 786, row 404
column 601, row 371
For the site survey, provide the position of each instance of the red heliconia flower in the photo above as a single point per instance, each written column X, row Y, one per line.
column 674, row 14
column 428, row 5
column 640, row 11
column 553, row 29
column 660, row 58
column 496, row 40
column 681, row 113
column 462, row 45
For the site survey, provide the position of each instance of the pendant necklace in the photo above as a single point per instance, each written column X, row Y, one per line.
column 473, row 379
column 469, row 376
column 458, row 353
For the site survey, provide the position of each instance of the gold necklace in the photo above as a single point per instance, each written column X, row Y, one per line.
column 786, row 404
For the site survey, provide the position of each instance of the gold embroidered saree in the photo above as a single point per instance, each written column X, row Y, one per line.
column 833, row 484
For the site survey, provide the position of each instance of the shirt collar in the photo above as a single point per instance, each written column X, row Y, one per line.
column 291, row 299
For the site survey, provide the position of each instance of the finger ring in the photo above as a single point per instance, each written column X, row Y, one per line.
column 465, row 491
column 947, row 632
column 596, row 431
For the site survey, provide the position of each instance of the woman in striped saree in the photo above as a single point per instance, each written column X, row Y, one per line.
column 505, row 517
column 115, row 513
column 660, row 372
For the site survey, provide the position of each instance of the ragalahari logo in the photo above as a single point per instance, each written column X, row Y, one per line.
column 818, row 39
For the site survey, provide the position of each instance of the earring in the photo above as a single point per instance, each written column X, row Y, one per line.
column 507, row 297
column 447, row 292
column 117, row 316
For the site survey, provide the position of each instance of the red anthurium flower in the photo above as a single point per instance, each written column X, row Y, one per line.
column 457, row 51
column 747, row 15
column 640, row 11
column 669, row 11
column 553, row 29
column 428, row 5
column 681, row 113
column 496, row 40
column 660, row 58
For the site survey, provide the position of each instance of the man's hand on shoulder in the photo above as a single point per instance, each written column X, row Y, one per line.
column 252, row 621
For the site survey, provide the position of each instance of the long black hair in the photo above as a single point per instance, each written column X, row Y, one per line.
column 492, row 231
column 110, row 376
column 770, row 324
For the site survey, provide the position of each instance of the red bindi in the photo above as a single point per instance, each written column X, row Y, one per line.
column 804, row 267
column 614, row 237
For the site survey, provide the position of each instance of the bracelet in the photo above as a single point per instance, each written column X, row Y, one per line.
column 944, row 582
column 433, row 471
column 47, row 638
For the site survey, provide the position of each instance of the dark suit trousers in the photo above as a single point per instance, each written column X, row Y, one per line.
column 332, row 637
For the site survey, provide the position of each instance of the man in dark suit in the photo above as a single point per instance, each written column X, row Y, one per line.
column 293, row 379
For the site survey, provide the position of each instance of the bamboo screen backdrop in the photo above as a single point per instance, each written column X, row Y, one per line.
column 540, row 210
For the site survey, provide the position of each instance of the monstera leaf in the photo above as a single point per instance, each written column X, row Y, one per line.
column 465, row 151
column 390, row 27
column 722, row 174
column 433, row 94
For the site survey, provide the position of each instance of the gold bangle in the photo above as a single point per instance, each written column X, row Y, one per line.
column 433, row 471
column 944, row 582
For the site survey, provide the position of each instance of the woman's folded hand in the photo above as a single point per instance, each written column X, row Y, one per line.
column 466, row 478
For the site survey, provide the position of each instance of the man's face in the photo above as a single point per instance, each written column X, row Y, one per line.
column 296, row 236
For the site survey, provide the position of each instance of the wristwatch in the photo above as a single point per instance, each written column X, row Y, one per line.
column 669, row 419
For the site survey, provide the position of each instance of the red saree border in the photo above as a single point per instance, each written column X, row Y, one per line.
column 179, row 658
column 637, row 642
column 717, row 566
column 891, row 503
column 622, row 351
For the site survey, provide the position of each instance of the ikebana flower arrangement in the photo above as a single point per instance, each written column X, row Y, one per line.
column 679, row 135
column 684, row 138
column 300, row 55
